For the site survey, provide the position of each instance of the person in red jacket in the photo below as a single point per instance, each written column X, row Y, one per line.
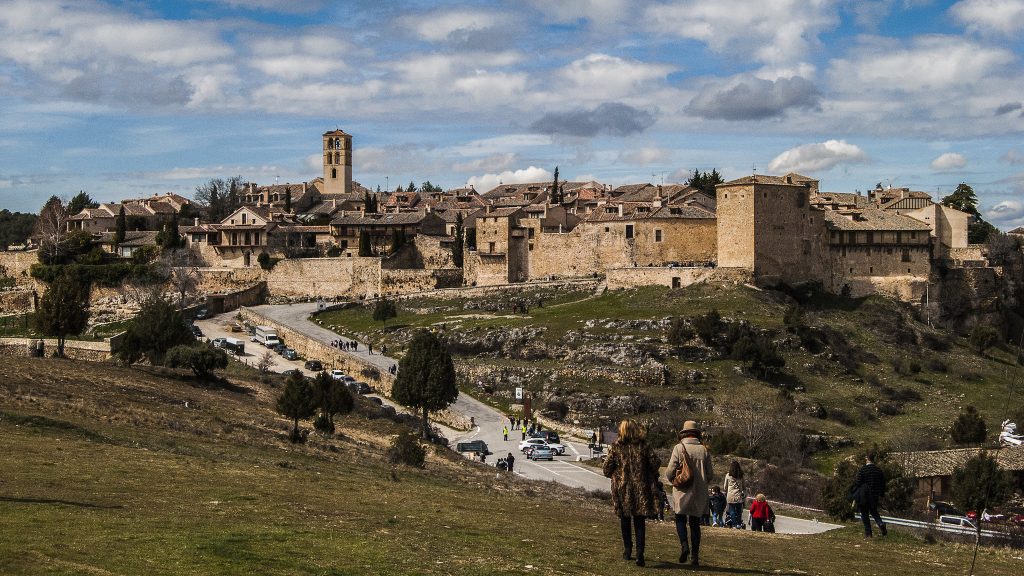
column 760, row 514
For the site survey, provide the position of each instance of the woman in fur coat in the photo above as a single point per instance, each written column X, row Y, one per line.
column 633, row 468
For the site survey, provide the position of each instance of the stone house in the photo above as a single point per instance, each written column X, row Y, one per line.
column 134, row 240
column 244, row 234
column 933, row 469
column 382, row 229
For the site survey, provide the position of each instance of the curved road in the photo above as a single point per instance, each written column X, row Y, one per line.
column 489, row 422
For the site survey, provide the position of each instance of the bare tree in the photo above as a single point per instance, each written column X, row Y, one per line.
column 755, row 418
column 51, row 228
column 182, row 272
column 265, row 362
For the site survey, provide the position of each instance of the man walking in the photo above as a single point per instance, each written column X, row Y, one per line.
column 868, row 489
column 510, row 460
column 504, row 432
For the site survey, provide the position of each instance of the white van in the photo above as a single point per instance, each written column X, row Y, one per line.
column 267, row 336
column 961, row 521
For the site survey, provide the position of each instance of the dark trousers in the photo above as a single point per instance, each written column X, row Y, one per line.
column 868, row 510
column 756, row 524
column 628, row 525
column 694, row 541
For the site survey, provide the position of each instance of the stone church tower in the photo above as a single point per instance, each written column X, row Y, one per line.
column 337, row 162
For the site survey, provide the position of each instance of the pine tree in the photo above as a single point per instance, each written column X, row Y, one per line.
column 364, row 244
column 63, row 309
column 157, row 328
column 963, row 199
column 296, row 402
column 122, row 226
column 969, row 427
column 331, row 397
column 458, row 251
column 980, row 484
column 80, row 202
column 555, row 198
column 288, row 200
column 426, row 377
column 383, row 310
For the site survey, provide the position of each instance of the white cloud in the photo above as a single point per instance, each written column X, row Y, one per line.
column 313, row 98
column 1001, row 16
column 776, row 32
column 610, row 77
column 601, row 14
column 949, row 161
column 291, row 58
column 1006, row 213
column 817, row 157
column 501, row 144
column 205, row 172
column 489, row 181
column 645, row 156
column 443, row 26
column 929, row 64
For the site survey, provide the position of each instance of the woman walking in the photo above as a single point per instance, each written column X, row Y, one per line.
column 690, row 503
column 633, row 468
column 735, row 496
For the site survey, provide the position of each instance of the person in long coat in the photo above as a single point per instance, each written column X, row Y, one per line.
column 692, row 503
column 633, row 468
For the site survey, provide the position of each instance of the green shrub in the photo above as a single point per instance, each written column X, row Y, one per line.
column 969, row 427
column 680, row 332
column 202, row 359
column 406, row 449
column 983, row 338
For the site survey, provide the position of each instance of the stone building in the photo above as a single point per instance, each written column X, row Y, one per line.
column 337, row 161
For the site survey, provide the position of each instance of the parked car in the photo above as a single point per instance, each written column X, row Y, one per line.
column 202, row 314
column 338, row 374
column 541, row 453
column 550, row 435
column 290, row 354
column 376, row 400
column 235, row 327
column 313, row 365
column 535, row 442
column 359, row 387
column 218, row 342
column 279, row 348
column 196, row 331
column 290, row 372
column 962, row 521
column 945, row 509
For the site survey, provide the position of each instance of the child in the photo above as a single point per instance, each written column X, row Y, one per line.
column 717, row 501
column 760, row 514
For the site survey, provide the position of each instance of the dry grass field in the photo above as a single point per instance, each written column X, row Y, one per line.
column 107, row 470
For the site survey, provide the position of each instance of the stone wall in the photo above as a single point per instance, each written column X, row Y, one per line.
column 18, row 264
column 220, row 303
column 18, row 301
column 73, row 349
column 672, row 277
column 879, row 270
column 409, row 281
column 735, row 214
column 326, row 277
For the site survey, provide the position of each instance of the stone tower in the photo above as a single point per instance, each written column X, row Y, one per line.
column 337, row 162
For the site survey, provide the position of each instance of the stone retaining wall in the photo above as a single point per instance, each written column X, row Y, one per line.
column 332, row 358
column 73, row 349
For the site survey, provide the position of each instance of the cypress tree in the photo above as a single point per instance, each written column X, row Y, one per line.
column 426, row 377
column 63, row 309
column 122, row 226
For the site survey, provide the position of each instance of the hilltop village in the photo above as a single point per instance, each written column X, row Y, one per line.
column 331, row 237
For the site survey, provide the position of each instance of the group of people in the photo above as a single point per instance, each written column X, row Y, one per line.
column 638, row 491
column 347, row 345
column 525, row 426
column 507, row 463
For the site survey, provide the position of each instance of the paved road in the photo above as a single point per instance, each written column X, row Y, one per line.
column 489, row 422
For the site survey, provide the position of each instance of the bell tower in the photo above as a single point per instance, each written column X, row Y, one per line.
column 337, row 162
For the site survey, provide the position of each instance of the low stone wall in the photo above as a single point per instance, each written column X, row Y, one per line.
column 73, row 349
column 410, row 281
column 672, row 277
column 332, row 358
column 17, row 265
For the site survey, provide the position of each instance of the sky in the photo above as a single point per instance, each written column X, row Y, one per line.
column 129, row 98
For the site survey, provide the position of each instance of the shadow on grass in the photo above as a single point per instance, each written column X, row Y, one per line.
column 710, row 568
column 63, row 502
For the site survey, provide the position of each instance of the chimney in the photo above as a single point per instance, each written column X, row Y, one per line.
column 620, row 208
column 197, row 221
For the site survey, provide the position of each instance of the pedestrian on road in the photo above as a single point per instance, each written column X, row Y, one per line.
column 383, row 349
column 761, row 514
column 633, row 467
column 691, row 502
column 524, row 431
column 504, row 432
column 868, row 488
column 510, row 460
column 735, row 496
column 717, row 501
column 369, row 349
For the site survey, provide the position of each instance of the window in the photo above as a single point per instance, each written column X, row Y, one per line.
column 629, row 231
column 531, row 232
column 871, row 237
column 851, row 270
column 871, row 269
column 334, row 172
column 906, row 255
column 657, row 235
column 490, row 247
column 606, row 229
column 531, row 246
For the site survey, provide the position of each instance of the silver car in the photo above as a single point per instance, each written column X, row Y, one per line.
column 542, row 453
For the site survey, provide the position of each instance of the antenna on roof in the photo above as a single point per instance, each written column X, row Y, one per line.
column 753, row 169
column 276, row 178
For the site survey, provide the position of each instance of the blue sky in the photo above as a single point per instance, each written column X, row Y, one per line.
column 128, row 98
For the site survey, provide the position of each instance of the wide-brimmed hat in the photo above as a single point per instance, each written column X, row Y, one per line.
column 690, row 428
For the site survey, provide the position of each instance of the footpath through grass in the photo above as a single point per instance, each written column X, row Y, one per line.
column 106, row 471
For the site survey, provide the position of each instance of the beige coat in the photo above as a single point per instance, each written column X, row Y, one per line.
column 693, row 502
column 735, row 490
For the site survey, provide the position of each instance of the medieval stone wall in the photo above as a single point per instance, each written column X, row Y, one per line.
column 326, row 277
column 410, row 281
column 735, row 231
column 73, row 349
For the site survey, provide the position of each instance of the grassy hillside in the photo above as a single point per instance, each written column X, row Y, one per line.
column 106, row 471
column 880, row 375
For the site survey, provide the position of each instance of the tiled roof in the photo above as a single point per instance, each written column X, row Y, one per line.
column 393, row 219
column 1018, row 230
column 499, row 212
column 841, row 198
column 797, row 180
column 871, row 219
column 131, row 238
column 683, row 212
column 943, row 462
